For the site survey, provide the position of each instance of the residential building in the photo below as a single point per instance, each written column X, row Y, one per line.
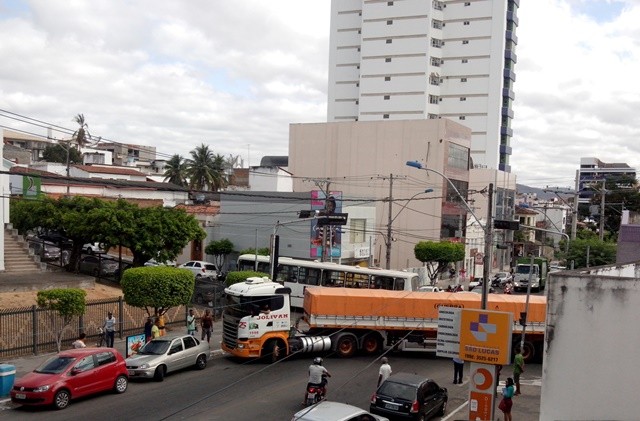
column 628, row 246
column 127, row 154
column 427, row 59
column 592, row 173
column 368, row 159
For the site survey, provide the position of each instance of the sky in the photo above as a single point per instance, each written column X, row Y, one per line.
column 235, row 74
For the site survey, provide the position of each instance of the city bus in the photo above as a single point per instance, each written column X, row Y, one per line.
column 297, row 274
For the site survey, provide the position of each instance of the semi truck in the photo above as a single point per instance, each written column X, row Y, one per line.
column 258, row 323
column 525, row 270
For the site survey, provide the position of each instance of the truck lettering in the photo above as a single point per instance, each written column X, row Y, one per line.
column 273, row 316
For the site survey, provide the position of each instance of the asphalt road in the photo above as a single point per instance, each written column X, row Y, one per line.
column 231, row 390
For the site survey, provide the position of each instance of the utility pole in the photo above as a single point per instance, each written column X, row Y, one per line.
column 602, row 193
column 488, row 247
column 389, row 222
column 574, row 219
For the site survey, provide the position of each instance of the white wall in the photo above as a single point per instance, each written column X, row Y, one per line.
column 590, row 368
column 270, row 179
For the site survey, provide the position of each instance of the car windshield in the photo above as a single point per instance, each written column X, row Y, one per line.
column 55, row 365
column 155, row 348
column 398, row 390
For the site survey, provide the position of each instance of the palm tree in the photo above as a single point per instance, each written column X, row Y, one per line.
column 176, row 171
column 205, row 170
column 81, row 136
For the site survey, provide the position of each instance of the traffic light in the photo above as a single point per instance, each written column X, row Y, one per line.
column 506, row 225
column 502, row 246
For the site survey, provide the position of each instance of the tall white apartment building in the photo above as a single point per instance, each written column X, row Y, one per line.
column 427, row 59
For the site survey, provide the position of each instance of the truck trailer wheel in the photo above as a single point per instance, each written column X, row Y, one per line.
column 372, row 343
column 346, row 346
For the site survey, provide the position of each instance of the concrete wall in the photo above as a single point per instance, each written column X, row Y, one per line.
column 590, row 369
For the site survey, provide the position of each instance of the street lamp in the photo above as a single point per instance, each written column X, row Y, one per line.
column 388, row 241
column 488, row 233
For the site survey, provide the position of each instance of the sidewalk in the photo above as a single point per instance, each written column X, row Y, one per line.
column 29, row 363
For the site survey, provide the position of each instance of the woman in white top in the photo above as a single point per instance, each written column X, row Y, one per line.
column 79, row 343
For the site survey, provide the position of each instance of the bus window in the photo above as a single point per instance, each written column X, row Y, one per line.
column 382, row 282
column 287, row 273
column 309, row 276
column 399, row 284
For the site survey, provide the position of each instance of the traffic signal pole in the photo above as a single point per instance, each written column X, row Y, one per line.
column 488, row 248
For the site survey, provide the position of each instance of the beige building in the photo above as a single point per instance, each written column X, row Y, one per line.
column 368, row 159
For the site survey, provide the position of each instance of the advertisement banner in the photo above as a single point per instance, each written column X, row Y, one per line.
column 482, row 387
column 134, row 343
column 485, row 336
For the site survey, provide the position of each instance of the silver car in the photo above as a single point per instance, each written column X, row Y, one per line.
column 166, row 354
column 335, row 411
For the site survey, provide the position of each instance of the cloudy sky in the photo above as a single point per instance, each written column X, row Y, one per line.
column 235, row 74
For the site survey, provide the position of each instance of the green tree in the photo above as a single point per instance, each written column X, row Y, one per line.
column 159, row 288
column 176, row 171
column 219, row 250
column 81, row 136
column 437, row 255
column 263, row 251
column 58, row 153
column 63, row 303
column 599, row 252
column 205, row 170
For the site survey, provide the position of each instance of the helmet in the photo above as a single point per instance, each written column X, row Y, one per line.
column 317, row 361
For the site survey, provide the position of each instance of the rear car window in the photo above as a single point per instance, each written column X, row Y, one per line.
column 398, row 390
column 210, row 267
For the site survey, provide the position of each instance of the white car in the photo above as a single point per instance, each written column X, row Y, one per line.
column 335, row 411
column 200, row 268
column 92, row 248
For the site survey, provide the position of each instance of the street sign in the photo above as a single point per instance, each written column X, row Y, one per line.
column 485, row 336
column 333, row 219
column 448, row 336
column 482, row 384
column 479, row 257
column 506, row 225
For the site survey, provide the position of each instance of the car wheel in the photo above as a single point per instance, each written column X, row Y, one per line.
column 121, row 384
column 201, row 362
column 89, row 251
column 443, row 408
column 159, row 374
column 421, row 417
column 346, row 346
column 61, row 399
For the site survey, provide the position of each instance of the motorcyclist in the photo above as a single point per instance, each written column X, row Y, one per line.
column 508, row 287
column 317, row 377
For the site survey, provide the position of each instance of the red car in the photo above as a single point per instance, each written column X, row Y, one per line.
column 72, row 374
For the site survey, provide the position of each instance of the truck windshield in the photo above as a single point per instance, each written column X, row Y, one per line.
column 525, row 269
column 241, row 306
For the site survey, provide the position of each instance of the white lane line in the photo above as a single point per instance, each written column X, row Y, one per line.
column 464, row 405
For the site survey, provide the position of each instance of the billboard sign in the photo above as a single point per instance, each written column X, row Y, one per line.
column 485, row 336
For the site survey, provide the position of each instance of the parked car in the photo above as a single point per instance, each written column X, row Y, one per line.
column 93, row 248
column 409, row 396
column 335, row 411
column 48, row 251
column 94, row 265
column 72, row 374
column 153, row 262
column 167, row 354
column 475, row 283
column 200, row 268
column 501, row 278
column 429, row 288
column 56, row 237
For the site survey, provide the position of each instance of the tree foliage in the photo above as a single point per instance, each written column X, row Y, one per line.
column 219, row 250
column 242, row 275
column 64, row 303
column 598, row 252
column 58, row 153
column 437, row 255
column 175, row 171
column 264, row 251
column 157, row 287
column 205, row 170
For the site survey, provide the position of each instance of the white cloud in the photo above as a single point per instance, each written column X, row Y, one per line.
column 236, row 74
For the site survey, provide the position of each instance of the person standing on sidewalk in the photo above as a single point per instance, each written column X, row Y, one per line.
column 458, row 367
column 79, row 343
column 384, row 372
column 506, row 403
column 147, row 329
column 206, row 322
column 518, row 368
column 109, row 329
column 191, row 323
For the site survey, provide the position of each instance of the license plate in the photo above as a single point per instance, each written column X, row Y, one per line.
column 131, row 372
column 21, row 396
column 391, row 406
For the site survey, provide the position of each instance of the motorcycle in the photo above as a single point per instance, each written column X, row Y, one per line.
column 316, row 392
column 508, row 288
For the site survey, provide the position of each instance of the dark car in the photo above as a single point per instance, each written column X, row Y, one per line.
column 409, row 396
column 72, row 374
column 56, row 237
column 96, row 266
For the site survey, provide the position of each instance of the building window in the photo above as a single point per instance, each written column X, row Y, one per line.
column 358, row 49
column 462, row 117
column 387, row 97
column 465, row 41
column 357, row 84
column 357, row 228
column 389, row 22
column 462, row 98
column 458, row 156
column 464, row 79
column 387, row 60
column 464, row 60
column 389, row 3
column 387, row 78
column 432, row 116
column 359, row 31
column 437, row 24
column 358, row 67
column 357, row 102
column 467, row 3
column 389, row 41
column 437, row 43
column 435, row 61
column 434, row 80
column 385, row 115
column 433, row 99
column 466, row 22
column 438, row 5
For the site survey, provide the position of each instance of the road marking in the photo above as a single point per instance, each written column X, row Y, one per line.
column 464, row 405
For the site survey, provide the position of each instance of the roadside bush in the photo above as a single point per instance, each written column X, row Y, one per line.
column 242, row 275
column 157, row 287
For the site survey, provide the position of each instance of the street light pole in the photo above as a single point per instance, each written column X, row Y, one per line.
column 390, row 220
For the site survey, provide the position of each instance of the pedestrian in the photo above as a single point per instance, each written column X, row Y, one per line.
column 155, row 329
column 191, row 323
column 79, row 343
column 518, row 368
column 109, row 329
column 206, row 322
column 506, row 403
column 161, row 322
column 147, row 329
column 458, row 367
column 385, row 371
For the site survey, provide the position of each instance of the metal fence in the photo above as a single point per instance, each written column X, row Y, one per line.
column 33, row 330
